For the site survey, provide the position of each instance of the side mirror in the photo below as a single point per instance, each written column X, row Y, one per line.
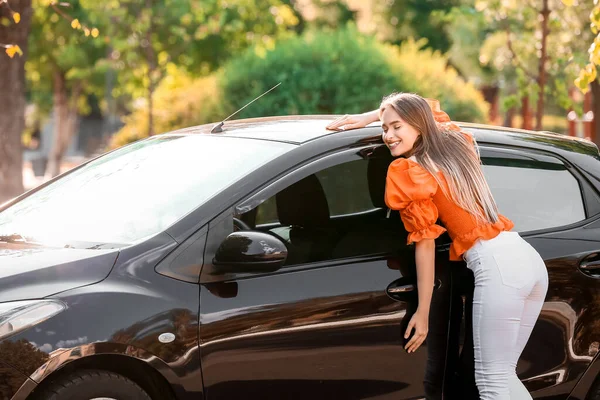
column 250, row 251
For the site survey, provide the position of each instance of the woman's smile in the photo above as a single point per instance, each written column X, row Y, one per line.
column 398, row 136
column 394, row 144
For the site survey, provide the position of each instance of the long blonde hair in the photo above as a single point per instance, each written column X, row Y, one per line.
column 450, row 152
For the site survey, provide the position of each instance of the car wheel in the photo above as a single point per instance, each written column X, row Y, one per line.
column 93, row 385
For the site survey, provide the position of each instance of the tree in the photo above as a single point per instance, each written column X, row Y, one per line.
column 532, row 40
column 62, row 69
column 415, row 19
column 588, row 73
column 12, row 94
column 147, row 36
column 587, row 77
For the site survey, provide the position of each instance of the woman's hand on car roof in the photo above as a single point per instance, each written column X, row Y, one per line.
column 354, row 121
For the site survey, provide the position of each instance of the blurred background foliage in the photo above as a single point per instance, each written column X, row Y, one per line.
column 322, row 71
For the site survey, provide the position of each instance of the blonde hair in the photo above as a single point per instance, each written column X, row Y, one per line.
column 450, row 152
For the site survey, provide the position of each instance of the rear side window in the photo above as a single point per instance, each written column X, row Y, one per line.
column 534, row 191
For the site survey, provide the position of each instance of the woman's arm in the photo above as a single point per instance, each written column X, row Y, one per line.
column 425, row 260
column 354, row 121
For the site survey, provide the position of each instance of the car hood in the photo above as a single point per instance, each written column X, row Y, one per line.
column 29, row 271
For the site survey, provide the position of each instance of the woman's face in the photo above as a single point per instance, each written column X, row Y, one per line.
column 398, row 136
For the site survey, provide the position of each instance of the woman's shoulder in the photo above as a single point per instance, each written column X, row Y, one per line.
column 411, row 166
column 410, row 180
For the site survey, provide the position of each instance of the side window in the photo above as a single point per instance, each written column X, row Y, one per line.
column 346, row 187
column 334, row 213
column 536, row 192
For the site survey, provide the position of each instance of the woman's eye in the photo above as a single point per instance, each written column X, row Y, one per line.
column 398, row 127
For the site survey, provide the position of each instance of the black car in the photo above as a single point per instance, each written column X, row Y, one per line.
column 262, row 263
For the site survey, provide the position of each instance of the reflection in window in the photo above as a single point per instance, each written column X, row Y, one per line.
column 335, row 213
column 346, row 188
column 534, row 195
column 136, row 191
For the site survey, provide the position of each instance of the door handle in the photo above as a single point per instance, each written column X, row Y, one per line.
column 401, row 289
column 404, row 288
column 590, row 265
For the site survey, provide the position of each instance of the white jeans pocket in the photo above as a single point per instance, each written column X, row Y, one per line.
column 515, row 268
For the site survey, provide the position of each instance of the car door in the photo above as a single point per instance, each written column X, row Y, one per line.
column 329, row 324
column 556, row 210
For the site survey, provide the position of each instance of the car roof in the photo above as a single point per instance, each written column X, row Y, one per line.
column 296, row 129
column 299, row 129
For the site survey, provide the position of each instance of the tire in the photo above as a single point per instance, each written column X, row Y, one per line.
column 93, row 384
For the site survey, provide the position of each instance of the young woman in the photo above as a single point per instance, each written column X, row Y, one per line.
column 439, row 176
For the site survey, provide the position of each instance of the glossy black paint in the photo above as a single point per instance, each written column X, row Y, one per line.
column 10, row 378
column 29, row 271
column 118, row 321
column 250, row 252
column 324, row 330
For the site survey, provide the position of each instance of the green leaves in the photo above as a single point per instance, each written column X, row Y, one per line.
column 588, row 73
column 63, row 41
column 586, row 76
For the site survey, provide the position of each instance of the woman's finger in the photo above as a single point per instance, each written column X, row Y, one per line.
column 409, row 328
column 417, row 343
column 412, row 341
column 338, row 122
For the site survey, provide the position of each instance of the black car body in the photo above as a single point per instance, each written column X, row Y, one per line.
column 165, row 303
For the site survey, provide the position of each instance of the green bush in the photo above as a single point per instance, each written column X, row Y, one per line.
column 339, row 72
column 326, row 72
column 427, row 73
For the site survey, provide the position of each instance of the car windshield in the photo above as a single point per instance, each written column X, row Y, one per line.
column 137, row 191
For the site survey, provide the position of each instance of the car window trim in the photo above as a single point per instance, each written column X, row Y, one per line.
column 591, row 195
column 305, row 169
column 301, row 171
column 533, row 153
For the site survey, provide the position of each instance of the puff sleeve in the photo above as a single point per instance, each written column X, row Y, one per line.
column 410, row 188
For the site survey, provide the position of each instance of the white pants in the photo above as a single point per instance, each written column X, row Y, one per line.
column 511, row 281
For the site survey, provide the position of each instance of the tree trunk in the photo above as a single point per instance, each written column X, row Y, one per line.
column 152, row 65
column 525, row 113
column 595, row 85
column 545, row 13
column 490, row 94
column 12, row 100
column 508, row 117
column 150, row 107
column 65, row 123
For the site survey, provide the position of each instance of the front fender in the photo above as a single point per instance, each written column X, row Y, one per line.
column 63, row 358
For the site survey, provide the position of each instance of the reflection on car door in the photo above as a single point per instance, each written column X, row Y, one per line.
column 324, row 326
column 546, row 201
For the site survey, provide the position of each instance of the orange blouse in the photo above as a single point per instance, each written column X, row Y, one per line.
column 413, row 191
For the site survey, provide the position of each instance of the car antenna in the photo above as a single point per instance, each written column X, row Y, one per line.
column 218, row 127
